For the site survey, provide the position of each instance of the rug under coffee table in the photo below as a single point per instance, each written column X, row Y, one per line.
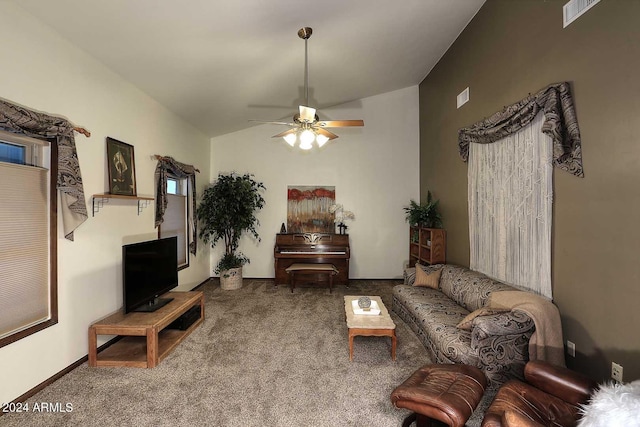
column 368, row 325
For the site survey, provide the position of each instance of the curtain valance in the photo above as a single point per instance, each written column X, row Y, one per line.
column 17, row 119
column 167, row 166
column 560, row 124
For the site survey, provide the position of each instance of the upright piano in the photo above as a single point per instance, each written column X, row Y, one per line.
column 312, row 248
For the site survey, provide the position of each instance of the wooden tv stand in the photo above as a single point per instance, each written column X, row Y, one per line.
column 146, row 341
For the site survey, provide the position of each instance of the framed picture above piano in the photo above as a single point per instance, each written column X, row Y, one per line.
column 308, row 209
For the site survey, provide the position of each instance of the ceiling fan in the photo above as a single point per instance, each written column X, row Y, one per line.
column 306, row 126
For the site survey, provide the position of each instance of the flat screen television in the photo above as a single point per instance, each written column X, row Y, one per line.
column 149, row 269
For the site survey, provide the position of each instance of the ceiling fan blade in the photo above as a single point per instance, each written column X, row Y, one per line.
column 274, row 123
column 285, row 133
column 340, row 123
column 307, row 114
column 326, row 133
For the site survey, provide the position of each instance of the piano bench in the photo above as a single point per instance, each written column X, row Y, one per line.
column 305, row 269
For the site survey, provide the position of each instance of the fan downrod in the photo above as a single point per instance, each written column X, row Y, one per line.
column 305, row 33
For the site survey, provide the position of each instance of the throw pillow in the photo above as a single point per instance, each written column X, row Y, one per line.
column 482, row 311
column 429, row 280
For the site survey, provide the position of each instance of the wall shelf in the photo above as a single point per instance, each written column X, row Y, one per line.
column 98, row 201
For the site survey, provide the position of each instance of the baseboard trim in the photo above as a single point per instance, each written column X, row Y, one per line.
column 61, row 374
column 204, row 282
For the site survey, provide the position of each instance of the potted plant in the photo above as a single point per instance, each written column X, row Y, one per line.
column 227, row 210
column 425, row 215
column 341, row 216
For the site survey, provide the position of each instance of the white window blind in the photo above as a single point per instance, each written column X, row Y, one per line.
column 175, row 224
column 24, row 247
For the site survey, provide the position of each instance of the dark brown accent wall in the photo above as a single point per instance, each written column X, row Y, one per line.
column 513, row 48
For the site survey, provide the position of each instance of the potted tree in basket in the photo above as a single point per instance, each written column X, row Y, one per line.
column 227, row 210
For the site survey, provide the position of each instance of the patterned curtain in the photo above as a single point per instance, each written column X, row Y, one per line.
column 14, row 118
column 166, row 167
column 510, row 208
column 560, row 124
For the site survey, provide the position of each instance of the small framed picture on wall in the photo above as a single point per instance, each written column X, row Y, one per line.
column 121, row 167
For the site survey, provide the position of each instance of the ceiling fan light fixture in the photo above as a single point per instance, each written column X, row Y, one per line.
column 321, row 140
column 306, row 139
column 306, row 127
column 306, row 146
column 290, row 139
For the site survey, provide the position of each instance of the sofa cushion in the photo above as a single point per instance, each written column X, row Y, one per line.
column 482, row 311
column 429, row 279
column 409, row 274
column 414, row 296
column 469, row 288
column 438, row 316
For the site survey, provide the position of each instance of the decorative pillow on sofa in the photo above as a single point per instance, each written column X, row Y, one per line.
column 482, row 311
column 427, row 276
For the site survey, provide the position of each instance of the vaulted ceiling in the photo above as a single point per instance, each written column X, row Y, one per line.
column 220, row 63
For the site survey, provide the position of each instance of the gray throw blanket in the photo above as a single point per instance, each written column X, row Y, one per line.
column 546, row 343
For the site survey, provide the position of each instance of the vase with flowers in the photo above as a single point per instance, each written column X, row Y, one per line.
column 341, row 216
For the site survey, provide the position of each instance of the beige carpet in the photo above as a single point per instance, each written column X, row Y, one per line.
column 263, row 357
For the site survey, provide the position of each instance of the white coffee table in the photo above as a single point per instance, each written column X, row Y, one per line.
column 379, row 325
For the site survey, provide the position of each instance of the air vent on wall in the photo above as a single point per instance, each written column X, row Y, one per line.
column 462, row 97
column 574, row 9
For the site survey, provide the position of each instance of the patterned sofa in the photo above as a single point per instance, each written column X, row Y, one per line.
column 497, row 343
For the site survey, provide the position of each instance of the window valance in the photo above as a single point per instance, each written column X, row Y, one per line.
column 167, row 166
column 560, row 124
column 17, row 119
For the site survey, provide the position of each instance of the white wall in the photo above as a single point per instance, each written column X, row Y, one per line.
column 375, row 170
column 42, row 71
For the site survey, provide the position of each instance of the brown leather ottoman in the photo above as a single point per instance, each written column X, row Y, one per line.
column 448, row 393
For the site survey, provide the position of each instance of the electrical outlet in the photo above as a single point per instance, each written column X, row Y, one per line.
column 571, row 349
column 616, row 372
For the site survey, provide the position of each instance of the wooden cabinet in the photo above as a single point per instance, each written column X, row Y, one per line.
column 146, row 340
column 427, row 246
